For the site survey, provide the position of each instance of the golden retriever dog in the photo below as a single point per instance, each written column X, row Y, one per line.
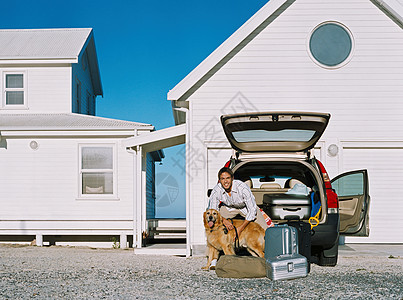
column 219, row 238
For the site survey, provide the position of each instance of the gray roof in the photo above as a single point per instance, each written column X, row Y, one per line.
column 39, row 45
column 65, row 122
column 42, row 43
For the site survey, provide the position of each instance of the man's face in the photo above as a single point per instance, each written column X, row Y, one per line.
column 226, row 181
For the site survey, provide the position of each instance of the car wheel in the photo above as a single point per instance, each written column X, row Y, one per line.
column 328, row 257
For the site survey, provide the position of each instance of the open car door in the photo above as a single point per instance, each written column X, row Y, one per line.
column 353, row 192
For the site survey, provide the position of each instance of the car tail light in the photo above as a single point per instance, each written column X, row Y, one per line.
column 332, row 199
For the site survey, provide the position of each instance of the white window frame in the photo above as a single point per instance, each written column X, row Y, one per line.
column 5, row 89
column 114, row 195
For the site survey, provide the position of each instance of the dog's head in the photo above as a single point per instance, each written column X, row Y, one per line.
column 211, row 219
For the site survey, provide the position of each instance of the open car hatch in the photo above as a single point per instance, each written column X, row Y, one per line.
column 274, row 131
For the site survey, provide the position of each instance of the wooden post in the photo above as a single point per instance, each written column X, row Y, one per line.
column 39, row 240
column 123, row 241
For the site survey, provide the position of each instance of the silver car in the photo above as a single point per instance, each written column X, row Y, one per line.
column 273, row 154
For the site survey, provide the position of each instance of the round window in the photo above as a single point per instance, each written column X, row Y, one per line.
column 331, row 44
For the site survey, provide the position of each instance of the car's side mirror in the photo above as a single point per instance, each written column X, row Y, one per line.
column 209, row 192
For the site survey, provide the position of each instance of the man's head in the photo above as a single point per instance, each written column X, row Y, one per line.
column 226, row 176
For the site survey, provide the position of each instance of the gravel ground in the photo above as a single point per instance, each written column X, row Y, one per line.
column 84, row 273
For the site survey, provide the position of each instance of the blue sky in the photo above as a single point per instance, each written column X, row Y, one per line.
column 144, row 49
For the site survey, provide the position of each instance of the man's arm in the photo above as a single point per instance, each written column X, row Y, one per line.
column 250, row 203
column 214, row 202
column 251, row 207
column 242, row 227
column 214, row 199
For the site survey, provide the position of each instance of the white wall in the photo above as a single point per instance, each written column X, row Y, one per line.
column 384, row 163
column 275, row 73
column 48, row 88
column 43, row 185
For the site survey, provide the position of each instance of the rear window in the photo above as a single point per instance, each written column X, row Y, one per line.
column 285, row 135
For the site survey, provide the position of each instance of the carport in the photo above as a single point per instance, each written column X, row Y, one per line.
column 141, row 145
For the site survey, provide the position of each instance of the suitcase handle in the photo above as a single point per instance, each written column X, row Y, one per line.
column 292, row 209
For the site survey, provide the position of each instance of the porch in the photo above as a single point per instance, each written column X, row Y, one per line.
column 156, row 236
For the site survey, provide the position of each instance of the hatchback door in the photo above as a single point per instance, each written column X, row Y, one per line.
column 352, row 189
column 274, row 131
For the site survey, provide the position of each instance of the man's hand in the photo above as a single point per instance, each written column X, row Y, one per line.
column 227, row 224
column 242, row 227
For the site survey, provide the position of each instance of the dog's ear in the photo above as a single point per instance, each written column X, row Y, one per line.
column 205, row 219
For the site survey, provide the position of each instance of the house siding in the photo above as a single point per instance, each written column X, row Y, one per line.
column 81, row 74
column 274, row 72
column 150, row 187
column 41, row 194
column 48, row 88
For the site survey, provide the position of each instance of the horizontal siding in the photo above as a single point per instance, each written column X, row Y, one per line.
column 216, row 159
column 384, row 165
column 48, row 89
column 274, row 72
column 43, row 184
column 150, row 187
column 81, row 72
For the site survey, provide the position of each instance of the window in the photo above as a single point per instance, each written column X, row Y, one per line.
column 14, row 88
column 97, row 170
column 283, row 135
column 331, row 45
column 349, row 185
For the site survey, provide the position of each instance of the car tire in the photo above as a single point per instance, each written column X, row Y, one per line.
column 328, row 257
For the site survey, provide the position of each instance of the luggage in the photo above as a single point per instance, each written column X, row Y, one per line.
column 287, row 266
column 304, row 239
column 279, row 240
column 282, row 253
column 232, row 266
column 287, row 206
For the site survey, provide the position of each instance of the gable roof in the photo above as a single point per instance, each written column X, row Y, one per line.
column 239, row 39
column 59, row 45
column 71, row 121
column 42, row 43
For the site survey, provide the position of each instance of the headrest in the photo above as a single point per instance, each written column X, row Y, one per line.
column 294, row 182
column 249, row 183
column 270, row 185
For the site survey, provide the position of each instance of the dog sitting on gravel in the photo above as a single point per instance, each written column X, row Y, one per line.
column 221, row 239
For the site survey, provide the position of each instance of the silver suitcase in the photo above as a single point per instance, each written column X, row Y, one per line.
column 282, row 239
column 287, row 206
column 287, row 266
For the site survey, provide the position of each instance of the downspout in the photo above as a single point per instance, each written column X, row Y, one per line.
column 187, row 172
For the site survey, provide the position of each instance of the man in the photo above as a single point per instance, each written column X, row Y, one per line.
column 235, row 198
column 232, row 197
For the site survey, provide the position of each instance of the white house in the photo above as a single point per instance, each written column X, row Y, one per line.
column 64, row 174
column 277, row 62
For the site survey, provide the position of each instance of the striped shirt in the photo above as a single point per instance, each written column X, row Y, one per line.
column 241, row 198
